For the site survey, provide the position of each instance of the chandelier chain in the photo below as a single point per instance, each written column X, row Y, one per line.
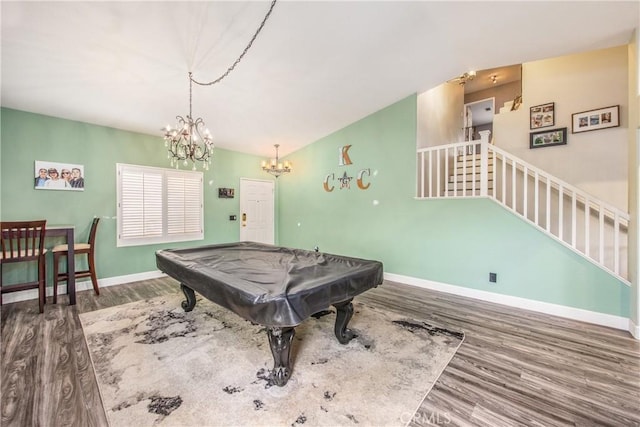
column 237, row 61
column 190, row 92
column 191, row 140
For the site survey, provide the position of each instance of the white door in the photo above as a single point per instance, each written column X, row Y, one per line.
column 478, row 113
column 257, row 211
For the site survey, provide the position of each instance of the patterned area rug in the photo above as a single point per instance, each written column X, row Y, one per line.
column 157, row 365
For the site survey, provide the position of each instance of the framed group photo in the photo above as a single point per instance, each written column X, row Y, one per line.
column 601, row 118
column 548, row 138
column 58, row 176
column 542, row 116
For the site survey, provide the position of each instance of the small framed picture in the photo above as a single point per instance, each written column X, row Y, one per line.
column 226, row 193
column 542, row 116
column 548, row 138
column 602, row 118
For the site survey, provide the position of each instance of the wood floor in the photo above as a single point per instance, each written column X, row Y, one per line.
column 514, row 368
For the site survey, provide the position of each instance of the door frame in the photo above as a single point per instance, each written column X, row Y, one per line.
column 468, row 129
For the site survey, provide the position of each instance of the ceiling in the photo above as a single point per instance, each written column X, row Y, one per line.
column 315, row 67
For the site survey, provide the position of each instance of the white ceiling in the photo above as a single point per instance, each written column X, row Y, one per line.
column 315, row 68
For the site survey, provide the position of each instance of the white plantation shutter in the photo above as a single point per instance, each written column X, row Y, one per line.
column 184, row 203
column 158, row 205
column 141, row 204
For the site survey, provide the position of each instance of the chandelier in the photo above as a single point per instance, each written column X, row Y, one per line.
column 274, row 167
column 190, row 140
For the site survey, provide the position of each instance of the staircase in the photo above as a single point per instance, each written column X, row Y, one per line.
column 466, row 178
column 590, row 227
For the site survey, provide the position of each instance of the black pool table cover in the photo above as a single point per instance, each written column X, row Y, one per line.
column 270, row 285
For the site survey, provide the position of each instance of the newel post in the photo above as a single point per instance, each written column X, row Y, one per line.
column 484, row 162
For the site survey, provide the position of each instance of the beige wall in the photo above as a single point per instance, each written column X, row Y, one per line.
column 440, row 115
column 596, row 161
column 634, row 177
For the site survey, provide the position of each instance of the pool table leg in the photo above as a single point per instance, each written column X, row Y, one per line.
column 344, row 313
column 191, row 298
column 280, row 341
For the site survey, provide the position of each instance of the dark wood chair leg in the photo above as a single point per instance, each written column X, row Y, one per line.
column 56, row 260
column 42, row 281
column 92, row 272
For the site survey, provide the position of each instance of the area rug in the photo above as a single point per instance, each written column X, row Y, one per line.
column 157, row 365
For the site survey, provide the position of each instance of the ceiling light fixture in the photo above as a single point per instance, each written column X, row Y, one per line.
column 494, row 78
column 274, row 167
column 190, row 140
column 464, row 78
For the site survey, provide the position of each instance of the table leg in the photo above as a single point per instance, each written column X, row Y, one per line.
column 191, row 298
column 280, row 341
column 344, row 313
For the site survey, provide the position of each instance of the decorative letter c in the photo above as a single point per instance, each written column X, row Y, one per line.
column 325, row 184
column 359, row 180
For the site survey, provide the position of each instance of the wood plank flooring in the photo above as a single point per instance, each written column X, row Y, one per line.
column 515, row 367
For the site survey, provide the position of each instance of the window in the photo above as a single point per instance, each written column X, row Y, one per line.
column 158, row 205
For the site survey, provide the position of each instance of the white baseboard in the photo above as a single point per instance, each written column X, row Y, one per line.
column 82, row 285
column 602, row 319
column 596, row 318
column 136, row 277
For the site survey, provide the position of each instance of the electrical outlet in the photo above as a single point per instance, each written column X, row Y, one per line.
column 493, row 277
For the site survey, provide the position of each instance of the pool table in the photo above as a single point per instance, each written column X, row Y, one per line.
column 273, row 286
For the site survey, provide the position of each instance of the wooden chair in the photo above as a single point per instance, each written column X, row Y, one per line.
column 23, row 241
column 79, row 248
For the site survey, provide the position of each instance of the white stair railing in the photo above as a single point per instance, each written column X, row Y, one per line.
column 591, row 227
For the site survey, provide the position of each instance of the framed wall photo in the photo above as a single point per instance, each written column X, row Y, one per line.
column 542, row 116
column 602, row 118
column 226, row 193
column 547, row 138
column 58, row 176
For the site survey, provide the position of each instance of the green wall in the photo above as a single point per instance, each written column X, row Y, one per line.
column 27, row 137
column 449, row 241
column 456, row 242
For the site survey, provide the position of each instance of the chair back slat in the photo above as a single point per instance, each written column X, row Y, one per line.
column 22, row 240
